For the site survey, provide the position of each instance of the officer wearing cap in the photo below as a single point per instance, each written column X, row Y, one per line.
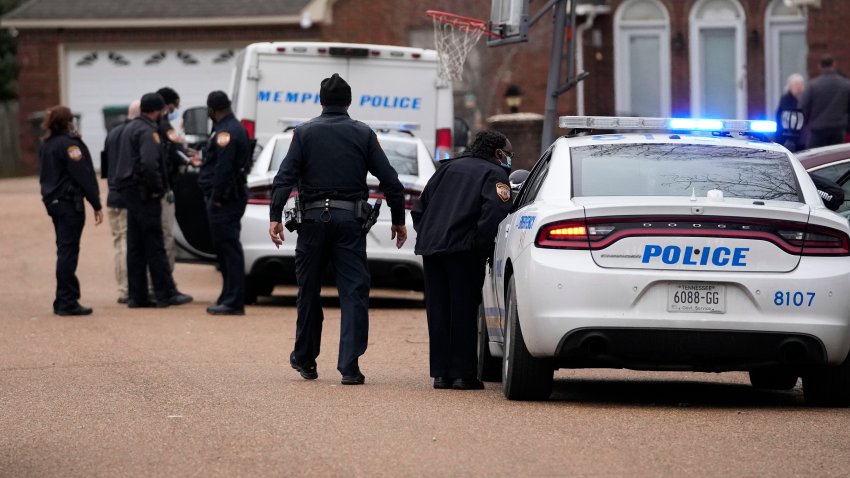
column 222, row 179
column 175, row 153
column 67, row 176
column 140, row 179
column 456, row 219
column 328, row 161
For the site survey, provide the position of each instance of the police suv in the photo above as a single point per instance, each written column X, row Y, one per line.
column 692, row 245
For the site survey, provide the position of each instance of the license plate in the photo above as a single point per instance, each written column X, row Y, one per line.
column 696, row 297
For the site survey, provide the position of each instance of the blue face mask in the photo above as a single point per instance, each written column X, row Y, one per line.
column 174, row 115
column 507, row 163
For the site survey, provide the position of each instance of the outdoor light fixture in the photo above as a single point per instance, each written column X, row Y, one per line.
column 513, row 98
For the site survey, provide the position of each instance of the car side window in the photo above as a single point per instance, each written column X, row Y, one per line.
column 833, row 172
column 532, row 185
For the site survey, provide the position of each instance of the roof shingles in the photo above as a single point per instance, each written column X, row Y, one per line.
column 153, row 9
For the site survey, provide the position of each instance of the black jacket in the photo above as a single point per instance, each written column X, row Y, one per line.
column 226, row 157
column 111, row 152
column 140, row 161
column 171, row 145
column 461, row 207
column 67, row 170
column 825, row 101
column 789, row 114
column 329, row 158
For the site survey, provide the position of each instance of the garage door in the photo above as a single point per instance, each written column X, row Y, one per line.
column 96, row 78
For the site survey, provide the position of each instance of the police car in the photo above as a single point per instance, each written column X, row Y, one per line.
column 831, row 163
column 691, row 245
column 266, row 265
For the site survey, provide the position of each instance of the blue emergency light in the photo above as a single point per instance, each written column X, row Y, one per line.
column 668, row 124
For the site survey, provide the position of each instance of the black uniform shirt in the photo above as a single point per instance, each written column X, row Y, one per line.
column 227, row 153
column 140, row 160
column 329, row 158
column 461, row 207
column 67, row 170
column 111, row 150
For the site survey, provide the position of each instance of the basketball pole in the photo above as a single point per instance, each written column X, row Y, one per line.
column 553, row 84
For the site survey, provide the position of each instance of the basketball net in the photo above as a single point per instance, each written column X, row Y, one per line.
column 453, row 39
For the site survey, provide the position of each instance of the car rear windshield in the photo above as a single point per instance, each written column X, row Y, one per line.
column 682, row 169
column 402, row 153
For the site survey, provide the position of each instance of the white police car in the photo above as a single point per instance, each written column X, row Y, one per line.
column 266, row 265
column 666, row 250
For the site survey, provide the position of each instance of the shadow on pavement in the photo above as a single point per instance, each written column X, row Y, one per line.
column 333, row 302
column 672, row 393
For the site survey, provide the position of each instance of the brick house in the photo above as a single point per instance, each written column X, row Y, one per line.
column 669, row 57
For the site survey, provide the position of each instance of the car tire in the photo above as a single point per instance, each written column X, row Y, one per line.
column 773, row 379
column 524, row 377
column 489, row 367
column 257, row 285
column 828, row 386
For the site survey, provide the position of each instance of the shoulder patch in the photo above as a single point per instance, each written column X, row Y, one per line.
column 156, row 137
column 503, row 191
column 173, row 136
column 75, row 153
column 222, row 139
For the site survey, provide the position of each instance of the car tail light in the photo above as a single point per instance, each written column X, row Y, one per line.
column 410, row 196
column 795, row 238
column 260, row 195
column 573, row 234
column 250, row 126
column 444, row 144
column 817, row 241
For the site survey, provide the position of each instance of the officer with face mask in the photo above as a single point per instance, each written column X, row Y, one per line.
column 140, row 178
column 456, row 219
column 222, row 179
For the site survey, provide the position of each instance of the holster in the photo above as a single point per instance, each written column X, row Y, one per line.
column 370, row 214
column 294, row 217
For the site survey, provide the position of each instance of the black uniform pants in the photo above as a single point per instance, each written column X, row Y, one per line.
column 68, row 221
column 146, row 249
column 452, row 295
column 340, row 239
column 225, row 229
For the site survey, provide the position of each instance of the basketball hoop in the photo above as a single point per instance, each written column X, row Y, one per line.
column 454, row 37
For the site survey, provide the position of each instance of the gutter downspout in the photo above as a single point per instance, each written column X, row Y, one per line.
column 586, row 25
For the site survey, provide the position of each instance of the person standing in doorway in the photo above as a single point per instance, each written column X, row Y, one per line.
column 789, row 117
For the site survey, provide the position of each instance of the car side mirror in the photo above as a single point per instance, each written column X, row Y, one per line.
column 196, row 122
column 517, row 178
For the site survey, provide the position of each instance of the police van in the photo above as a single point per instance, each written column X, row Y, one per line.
column 389, row 83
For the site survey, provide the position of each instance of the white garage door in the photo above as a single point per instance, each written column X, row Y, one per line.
column 96, row 78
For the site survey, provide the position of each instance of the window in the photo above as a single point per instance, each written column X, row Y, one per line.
column 534, row 181
column 682, row 170
column 718, row 60
column 785, row 50
column 642, row 59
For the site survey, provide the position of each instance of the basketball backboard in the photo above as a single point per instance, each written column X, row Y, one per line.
column 509, row 19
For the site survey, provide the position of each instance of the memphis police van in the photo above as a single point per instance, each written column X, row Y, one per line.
column 388, row 84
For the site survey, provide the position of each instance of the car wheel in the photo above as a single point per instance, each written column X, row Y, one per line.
column 489, row 367
column 828, row 386
column 773, row 379
column 257, row 285
column 525, row 377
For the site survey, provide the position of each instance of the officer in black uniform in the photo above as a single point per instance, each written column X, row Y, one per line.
column 328, row 161
column 456, row 219
column 222, row 179
column 67, row 176
column 176, row 155
column 140, row 178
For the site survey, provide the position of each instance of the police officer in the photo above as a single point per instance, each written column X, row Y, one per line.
column 222, row 179
column 116, row 208
column 175, row 153
column 456, row 219
column 67, row 176
column 328, row 161
column 140, row 178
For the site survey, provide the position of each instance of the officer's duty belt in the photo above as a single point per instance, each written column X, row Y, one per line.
column 332, row 204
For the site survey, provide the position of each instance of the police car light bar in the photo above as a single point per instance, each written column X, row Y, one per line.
column 285, row 123
column 674, row 124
